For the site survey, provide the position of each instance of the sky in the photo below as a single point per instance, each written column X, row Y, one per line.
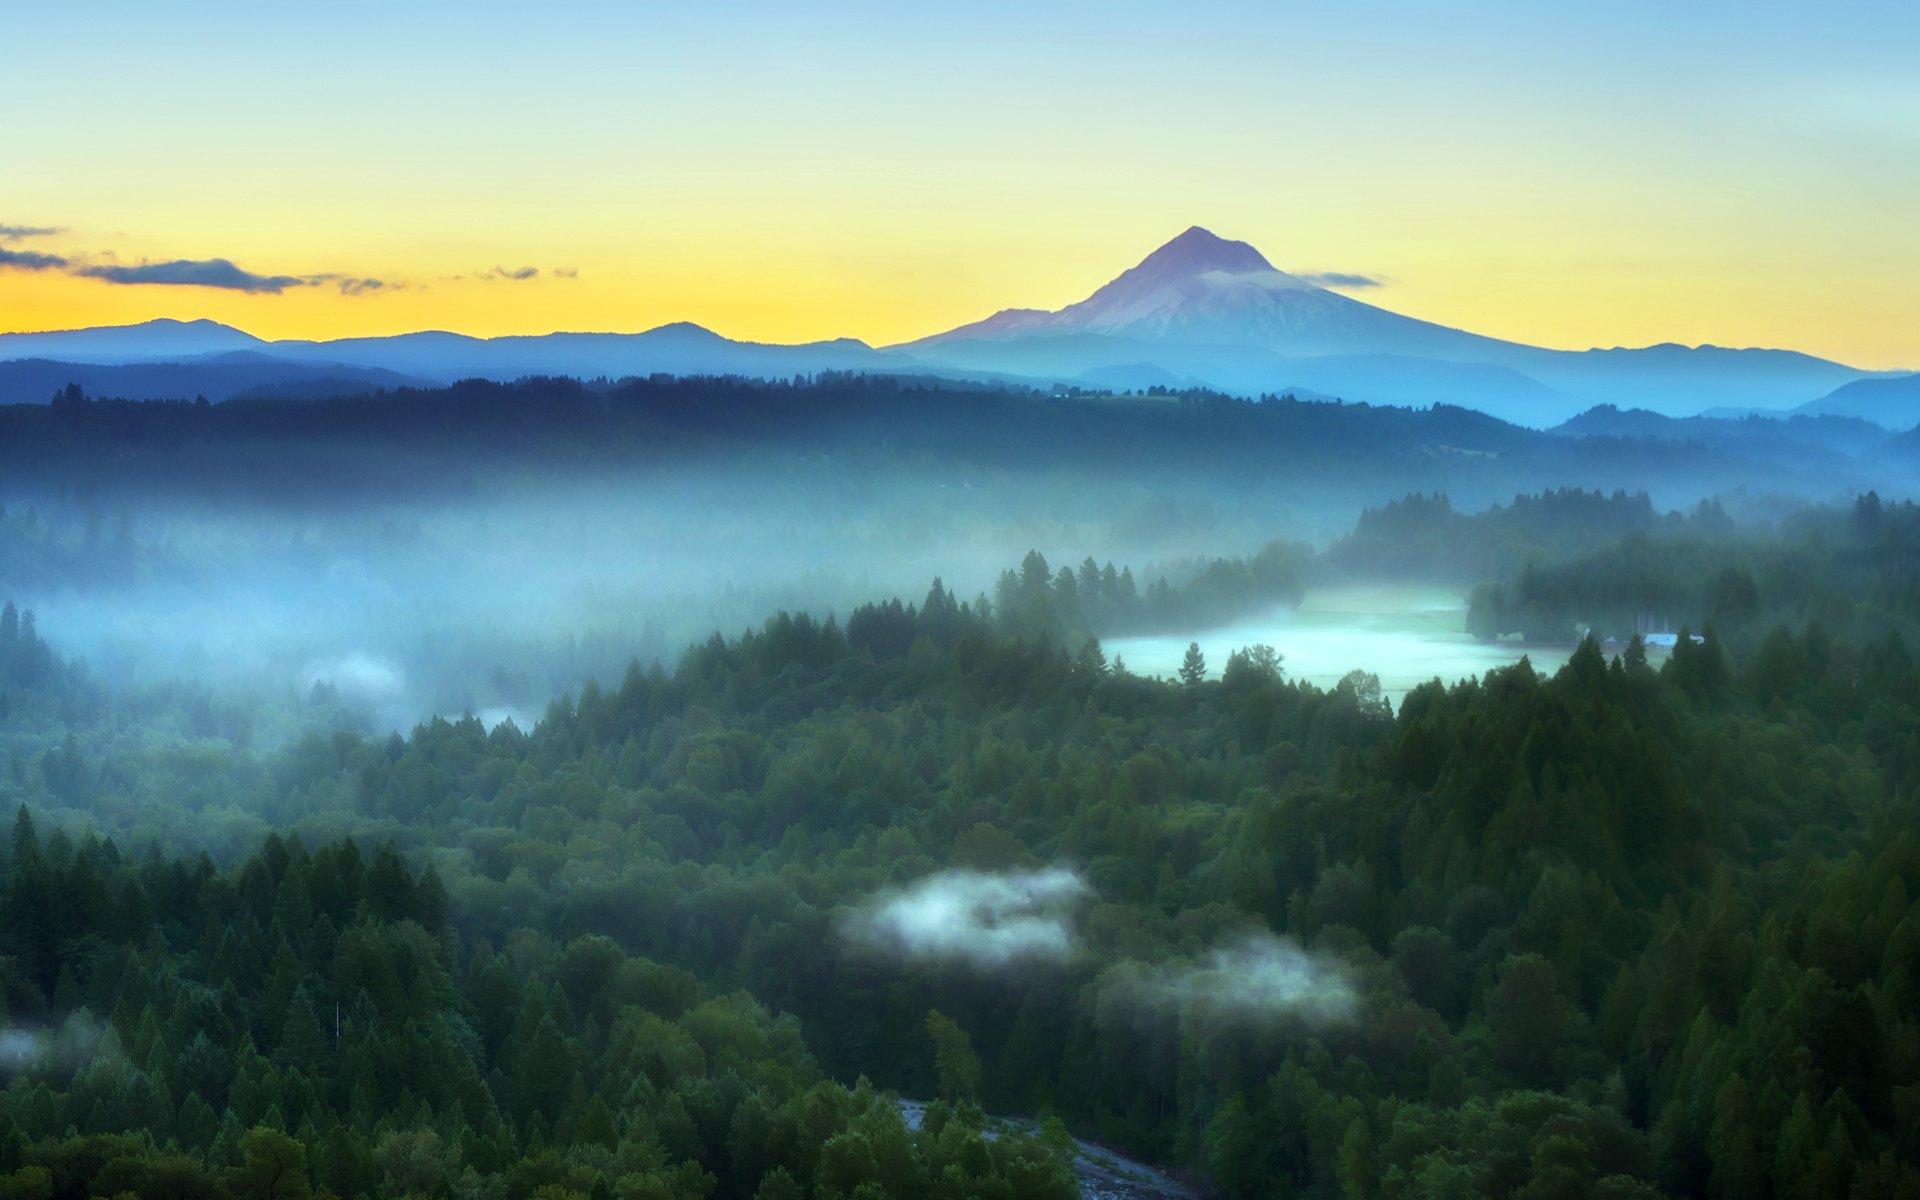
column 1568, row 175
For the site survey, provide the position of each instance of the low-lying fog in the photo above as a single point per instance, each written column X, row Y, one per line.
column 496, row 604
column 497, row 613
column 1405, row 635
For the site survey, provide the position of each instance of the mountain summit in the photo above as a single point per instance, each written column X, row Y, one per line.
column 1196, row 252
column 1203, row 289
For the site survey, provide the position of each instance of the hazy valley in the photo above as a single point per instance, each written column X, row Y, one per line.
column 732, row 602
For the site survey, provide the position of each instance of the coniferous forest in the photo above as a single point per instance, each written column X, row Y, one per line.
column 878, row 891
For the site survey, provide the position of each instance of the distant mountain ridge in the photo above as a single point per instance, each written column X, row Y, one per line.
column 437, row 353
column 681, row 348
column 1834, row 442
column 159, row 340
column 1199, row 311
column 199, row 357
column 217, row 377
column 1890, row 401
column 1203, row 295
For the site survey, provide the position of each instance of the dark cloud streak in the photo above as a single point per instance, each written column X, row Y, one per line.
column 192, row 272
column 520, row 274
column 27, row 260
column 219, row 273
column 354, row 285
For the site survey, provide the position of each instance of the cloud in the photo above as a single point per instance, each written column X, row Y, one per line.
column 353, row 285
column 519, row 274
column 180, row 272
column 222, row 273
column 358, row 676
column 1257, row 977
column 991, row 920
column 193, row 272
column 27, row 260
column 1342, row 279
column 983, row 919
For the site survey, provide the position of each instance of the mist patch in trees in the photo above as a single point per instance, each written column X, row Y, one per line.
column 983, row 919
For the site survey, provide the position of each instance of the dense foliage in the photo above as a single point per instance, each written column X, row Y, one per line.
column 461, row 439
column 1071, row 605
column 305, row 1023
column 1854, row 572
column 1631, row 930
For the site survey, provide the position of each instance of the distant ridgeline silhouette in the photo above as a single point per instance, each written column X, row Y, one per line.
column 1200, row 311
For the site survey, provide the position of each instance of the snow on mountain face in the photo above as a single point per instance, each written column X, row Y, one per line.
column 1187, row 257
column 1258, row 307
column 1205, row 290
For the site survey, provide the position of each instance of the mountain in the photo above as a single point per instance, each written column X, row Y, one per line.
column 1136, row 377
column 1803, row 441
column 1200, row 304
column 150, row 341
column 171, row 359
column 1201, row 289
column 217, row 377
column 678, row 349
column 1691, row 379
column 1891, row 401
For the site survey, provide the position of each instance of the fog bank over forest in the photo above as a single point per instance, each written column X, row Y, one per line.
column 487, row 547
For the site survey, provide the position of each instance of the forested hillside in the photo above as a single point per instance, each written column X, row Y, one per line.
column 447, row 442
column 309, row 1023
column 1626, row 931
